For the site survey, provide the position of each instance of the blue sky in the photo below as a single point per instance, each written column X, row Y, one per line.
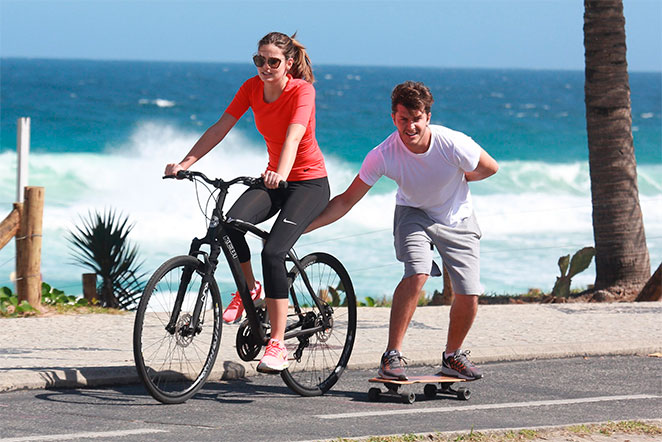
column 533, row 34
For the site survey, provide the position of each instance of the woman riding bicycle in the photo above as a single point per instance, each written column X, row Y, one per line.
column 282, row 98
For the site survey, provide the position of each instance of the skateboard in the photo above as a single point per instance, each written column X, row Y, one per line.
column 430, row 390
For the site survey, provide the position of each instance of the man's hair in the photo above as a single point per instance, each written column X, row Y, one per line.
column 413, row 95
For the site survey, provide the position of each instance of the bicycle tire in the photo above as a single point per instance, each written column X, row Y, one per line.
column 174, row 366
column 323, row 360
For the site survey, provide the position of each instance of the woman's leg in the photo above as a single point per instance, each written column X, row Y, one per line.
column 253, row 206
column 305, row 201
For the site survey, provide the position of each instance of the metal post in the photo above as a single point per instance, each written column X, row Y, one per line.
column 23, row 148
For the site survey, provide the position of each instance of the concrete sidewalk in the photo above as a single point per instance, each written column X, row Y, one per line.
column 94, row 350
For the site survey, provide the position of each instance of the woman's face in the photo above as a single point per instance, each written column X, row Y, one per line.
column 274, row 67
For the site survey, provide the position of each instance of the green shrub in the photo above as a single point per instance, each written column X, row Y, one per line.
column 580, row 261
column 10, row 307
column 102, row 245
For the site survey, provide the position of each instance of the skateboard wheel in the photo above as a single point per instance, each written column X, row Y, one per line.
column 430, row 391
column 373, row 394
column 463, row 394
column 409, row 398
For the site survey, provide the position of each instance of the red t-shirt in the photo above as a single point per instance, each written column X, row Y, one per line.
column 295, row 105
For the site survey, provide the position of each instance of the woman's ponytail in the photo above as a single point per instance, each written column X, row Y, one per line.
column 302, row 67
column 292, row 48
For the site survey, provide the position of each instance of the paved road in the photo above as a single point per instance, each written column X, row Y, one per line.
column 92, row 350
column 513, row 394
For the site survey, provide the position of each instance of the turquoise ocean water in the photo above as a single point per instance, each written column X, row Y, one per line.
column 102, row 132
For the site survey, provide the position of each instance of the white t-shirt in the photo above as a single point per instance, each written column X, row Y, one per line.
column 432, row 181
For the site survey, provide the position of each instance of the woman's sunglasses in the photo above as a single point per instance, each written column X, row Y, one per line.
column 273, row 62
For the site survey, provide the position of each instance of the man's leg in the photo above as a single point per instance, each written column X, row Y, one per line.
column 405, row 300
column 404, row 304
column 459, row 247
column 413, row 248
column 462, row 315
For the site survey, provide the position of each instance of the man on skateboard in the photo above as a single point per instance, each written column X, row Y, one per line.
column 431, row 165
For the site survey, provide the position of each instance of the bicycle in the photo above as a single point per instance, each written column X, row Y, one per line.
column 178, row 324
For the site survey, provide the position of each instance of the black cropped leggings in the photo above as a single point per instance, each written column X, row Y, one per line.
column 299, row 204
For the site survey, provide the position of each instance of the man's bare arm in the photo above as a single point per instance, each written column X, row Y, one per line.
column 341, row 204
column 487, row 166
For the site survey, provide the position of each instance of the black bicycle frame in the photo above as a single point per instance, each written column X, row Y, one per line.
column 218, row 239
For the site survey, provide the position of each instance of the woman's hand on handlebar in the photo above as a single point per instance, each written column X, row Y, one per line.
column 271, row 179
column 172, row 169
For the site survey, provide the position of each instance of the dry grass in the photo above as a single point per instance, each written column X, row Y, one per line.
column 627, row 429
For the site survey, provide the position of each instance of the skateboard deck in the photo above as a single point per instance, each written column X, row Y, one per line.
column 430, row 390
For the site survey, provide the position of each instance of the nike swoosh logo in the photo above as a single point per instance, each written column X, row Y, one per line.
column 285, row 220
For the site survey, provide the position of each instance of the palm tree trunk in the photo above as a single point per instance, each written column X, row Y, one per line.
column 620, row 242
column 107, row 295
column 652, row 291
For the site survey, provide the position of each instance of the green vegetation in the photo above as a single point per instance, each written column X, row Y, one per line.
column 369, row 301
column 50, row 297
column 52, row 301
column 9, row 305
column 572, row 433
column 580, row 261
column 102, row 245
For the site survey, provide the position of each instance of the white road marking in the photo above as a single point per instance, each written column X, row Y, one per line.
column 487, row 406
column 87, row 435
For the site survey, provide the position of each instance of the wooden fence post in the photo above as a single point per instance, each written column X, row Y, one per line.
column 9, row 226
column 90, row 287
column 28, row 247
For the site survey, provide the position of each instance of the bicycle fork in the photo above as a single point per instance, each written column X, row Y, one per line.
column 193, row 326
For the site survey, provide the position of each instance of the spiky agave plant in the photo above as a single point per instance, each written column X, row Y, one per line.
column 101, row 244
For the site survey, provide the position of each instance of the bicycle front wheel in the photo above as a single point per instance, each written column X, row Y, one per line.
column 173, row 356
column 317, row 360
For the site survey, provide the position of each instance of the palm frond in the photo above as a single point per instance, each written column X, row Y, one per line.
column 101, row 244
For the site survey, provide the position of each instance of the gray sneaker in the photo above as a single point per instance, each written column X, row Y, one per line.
column 460, row 366
column 392, row 366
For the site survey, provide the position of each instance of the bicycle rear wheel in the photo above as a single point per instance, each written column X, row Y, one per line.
column 174, row 364
column 318, row 360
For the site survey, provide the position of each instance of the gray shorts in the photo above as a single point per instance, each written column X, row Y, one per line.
column 415, row 234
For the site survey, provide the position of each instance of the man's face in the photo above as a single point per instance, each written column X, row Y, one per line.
column 412, row 125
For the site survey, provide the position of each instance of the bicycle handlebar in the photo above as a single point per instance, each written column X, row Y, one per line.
column 218, row 182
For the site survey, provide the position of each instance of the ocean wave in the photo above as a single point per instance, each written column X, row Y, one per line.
column 530, row 209
column 521, row 177
column 158, row 102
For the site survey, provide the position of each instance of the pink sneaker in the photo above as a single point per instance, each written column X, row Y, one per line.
column 274, row 359
column 235, row 309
